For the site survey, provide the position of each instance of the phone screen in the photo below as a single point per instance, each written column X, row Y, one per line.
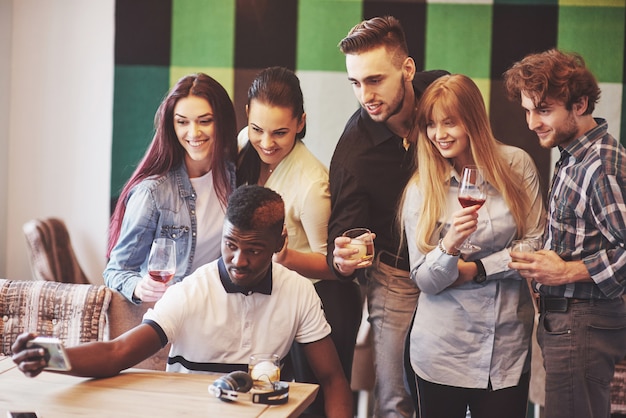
column 11, row 414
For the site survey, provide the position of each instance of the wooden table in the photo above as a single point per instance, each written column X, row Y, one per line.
column 133, row 393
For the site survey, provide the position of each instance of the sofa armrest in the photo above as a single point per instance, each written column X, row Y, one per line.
column 122, row 316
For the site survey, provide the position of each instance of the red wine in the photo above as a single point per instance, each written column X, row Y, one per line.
column 470, row 201
column 161, row 275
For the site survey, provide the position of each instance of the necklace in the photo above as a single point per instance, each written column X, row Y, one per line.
column 269, row 168
column 405, row 141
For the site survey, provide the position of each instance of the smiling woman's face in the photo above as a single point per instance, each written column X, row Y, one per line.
column 194, row 125
column 272, row 131
column 449, row 137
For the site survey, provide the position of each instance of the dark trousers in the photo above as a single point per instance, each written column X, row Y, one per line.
column 580, row 348
column 343, row 310
column 441, row 401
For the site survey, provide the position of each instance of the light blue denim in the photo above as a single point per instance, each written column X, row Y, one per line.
column 156, row 207
column 580, row 348
column 391, row 300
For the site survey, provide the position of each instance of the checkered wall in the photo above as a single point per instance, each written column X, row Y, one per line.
column 159, row 41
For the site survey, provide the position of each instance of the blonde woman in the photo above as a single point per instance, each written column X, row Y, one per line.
column 470, row 341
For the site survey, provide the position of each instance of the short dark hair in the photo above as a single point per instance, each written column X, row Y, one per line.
column 384, row 31
column 253, row 207
column 552, row 74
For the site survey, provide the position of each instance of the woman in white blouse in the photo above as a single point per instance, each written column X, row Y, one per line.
column 470, row 341
column 273, row 155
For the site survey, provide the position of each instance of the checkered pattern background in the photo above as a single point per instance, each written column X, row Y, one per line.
column 158, row 41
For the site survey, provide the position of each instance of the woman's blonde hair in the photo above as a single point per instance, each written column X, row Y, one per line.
column 457, row 96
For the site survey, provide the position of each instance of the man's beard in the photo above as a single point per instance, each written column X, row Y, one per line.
column 562, row 135
column 397, row 103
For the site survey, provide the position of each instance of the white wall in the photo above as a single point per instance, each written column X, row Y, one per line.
column 60, row 84
column 5, row 69
column 57, row 117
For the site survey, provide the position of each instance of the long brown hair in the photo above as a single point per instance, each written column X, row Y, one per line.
column 165, row 152
column 458, row 96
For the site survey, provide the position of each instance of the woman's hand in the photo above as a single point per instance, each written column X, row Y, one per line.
column 464, row 223
column 148, row 290
column 281, row 256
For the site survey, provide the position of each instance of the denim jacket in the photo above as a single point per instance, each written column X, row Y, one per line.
column 156, row 207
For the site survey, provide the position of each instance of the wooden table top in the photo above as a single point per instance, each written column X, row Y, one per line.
column 133, row 393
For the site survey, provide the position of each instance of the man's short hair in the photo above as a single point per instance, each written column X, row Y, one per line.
column 553, row 74
column 253, row 207
column 376, row 32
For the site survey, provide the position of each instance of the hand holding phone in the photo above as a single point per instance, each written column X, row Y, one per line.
column 55, row 352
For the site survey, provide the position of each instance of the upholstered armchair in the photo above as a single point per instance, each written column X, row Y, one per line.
column 52, row 257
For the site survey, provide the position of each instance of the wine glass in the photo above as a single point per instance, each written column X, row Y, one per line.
column 162, row 260
column 471, row 192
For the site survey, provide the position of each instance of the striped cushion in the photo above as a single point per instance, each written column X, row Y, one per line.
column 74, row 313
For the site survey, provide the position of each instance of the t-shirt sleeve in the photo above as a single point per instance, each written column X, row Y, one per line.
column 313, row 325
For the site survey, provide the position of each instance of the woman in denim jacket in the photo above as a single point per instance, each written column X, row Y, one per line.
column 179, row 190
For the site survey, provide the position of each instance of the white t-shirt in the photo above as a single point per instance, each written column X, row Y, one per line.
column 210, row 218
column 205, row 324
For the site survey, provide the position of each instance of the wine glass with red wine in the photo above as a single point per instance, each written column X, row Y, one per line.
column 162, row 260
column 471, row 193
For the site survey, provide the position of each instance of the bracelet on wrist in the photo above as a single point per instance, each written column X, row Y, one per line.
column 445, row 251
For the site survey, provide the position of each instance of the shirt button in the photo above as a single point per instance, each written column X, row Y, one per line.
column 193, row 212
column 173, row 235
column 194, row 234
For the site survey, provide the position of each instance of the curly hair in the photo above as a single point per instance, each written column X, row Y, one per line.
column 553, row 74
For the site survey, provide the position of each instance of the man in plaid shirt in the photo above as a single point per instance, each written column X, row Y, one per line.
column 580, row 275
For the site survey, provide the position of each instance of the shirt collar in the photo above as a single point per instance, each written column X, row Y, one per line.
column 378, row 131
column 578, row 147
column 264, row 286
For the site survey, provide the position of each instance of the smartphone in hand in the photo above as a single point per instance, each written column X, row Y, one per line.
column 55, row 352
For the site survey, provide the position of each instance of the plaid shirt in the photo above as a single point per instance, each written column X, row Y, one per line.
column 587, row 214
